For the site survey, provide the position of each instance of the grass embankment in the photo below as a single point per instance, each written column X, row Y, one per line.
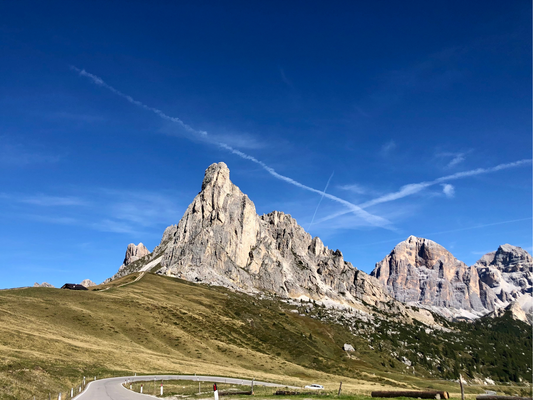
column 196, row 390
column 51, row 338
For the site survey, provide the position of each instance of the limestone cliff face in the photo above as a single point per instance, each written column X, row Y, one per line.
column 421, row 271
column 221, row 240
column 134, row 253
column 133, row 260
column 87, row 283
column 44, row 284
column 508, row 273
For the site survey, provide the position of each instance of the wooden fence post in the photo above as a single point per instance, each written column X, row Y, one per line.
column 340, row 388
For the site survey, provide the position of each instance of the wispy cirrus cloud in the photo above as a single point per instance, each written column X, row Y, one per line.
column 430, row 234
column 143, row 209
column 240, row 140
column 388, row 148
column 354, row 188
column 52, row 219
column 101, row 209
column 284, row 78
column 53, row 201
column 16, row 154
column 203, row 135
column 44, row 200
column 448, row 190
column 414, row 188
column 455, row 158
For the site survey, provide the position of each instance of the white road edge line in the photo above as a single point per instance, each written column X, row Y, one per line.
column 84, row 391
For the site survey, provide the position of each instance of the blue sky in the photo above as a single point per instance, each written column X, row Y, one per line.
column 415, row 115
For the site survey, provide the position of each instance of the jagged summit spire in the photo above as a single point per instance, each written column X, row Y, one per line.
column 217, row 174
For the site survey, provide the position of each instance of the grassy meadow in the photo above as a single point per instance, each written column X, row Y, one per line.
column 51, row 338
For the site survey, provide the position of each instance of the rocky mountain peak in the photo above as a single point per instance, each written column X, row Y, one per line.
column 420, row 252
column 44, row 284
column 87, row 283
column 423, row 272
column 507, row 256
column 221, row 240
column 508, row 272
column 217, row 175
column 135, row 252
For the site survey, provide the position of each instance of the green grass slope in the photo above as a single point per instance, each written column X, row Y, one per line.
column 50, row 338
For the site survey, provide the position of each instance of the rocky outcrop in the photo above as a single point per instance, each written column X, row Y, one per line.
column 44, row 284
column 521, row 309
column 348, row 347
column 421, row 272
column 136, row 256
column 507, row 271
column 134, row 253
column 87, row 283
column 222, row 241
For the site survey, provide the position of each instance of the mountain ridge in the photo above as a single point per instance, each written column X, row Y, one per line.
column 421, row 272
column 221, row 240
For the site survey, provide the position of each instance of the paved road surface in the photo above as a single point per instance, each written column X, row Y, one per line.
column 112, row 389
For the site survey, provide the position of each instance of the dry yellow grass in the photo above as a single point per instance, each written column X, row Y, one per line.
column 51, row 338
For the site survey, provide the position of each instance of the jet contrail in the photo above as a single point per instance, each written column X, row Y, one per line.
column 373, row 219
column 320, row 201
column 413, row 188
column 100, row 82
column 368, row 217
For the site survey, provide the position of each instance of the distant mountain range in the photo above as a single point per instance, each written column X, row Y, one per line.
column 423, row 273
column 221, row 240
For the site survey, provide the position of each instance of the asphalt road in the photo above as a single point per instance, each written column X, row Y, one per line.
column 112, row 389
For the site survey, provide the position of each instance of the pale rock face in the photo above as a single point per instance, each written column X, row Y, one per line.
column 508, row 273
column 133, row 253
column 348, row 347
column 44, row 284
column 87, row 283
column 222, row 241
column 519, row 309
column 421, row 271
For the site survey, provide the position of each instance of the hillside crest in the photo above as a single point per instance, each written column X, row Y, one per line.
column 221, row 240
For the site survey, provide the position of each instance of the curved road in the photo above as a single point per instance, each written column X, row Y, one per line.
column 112, row 389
